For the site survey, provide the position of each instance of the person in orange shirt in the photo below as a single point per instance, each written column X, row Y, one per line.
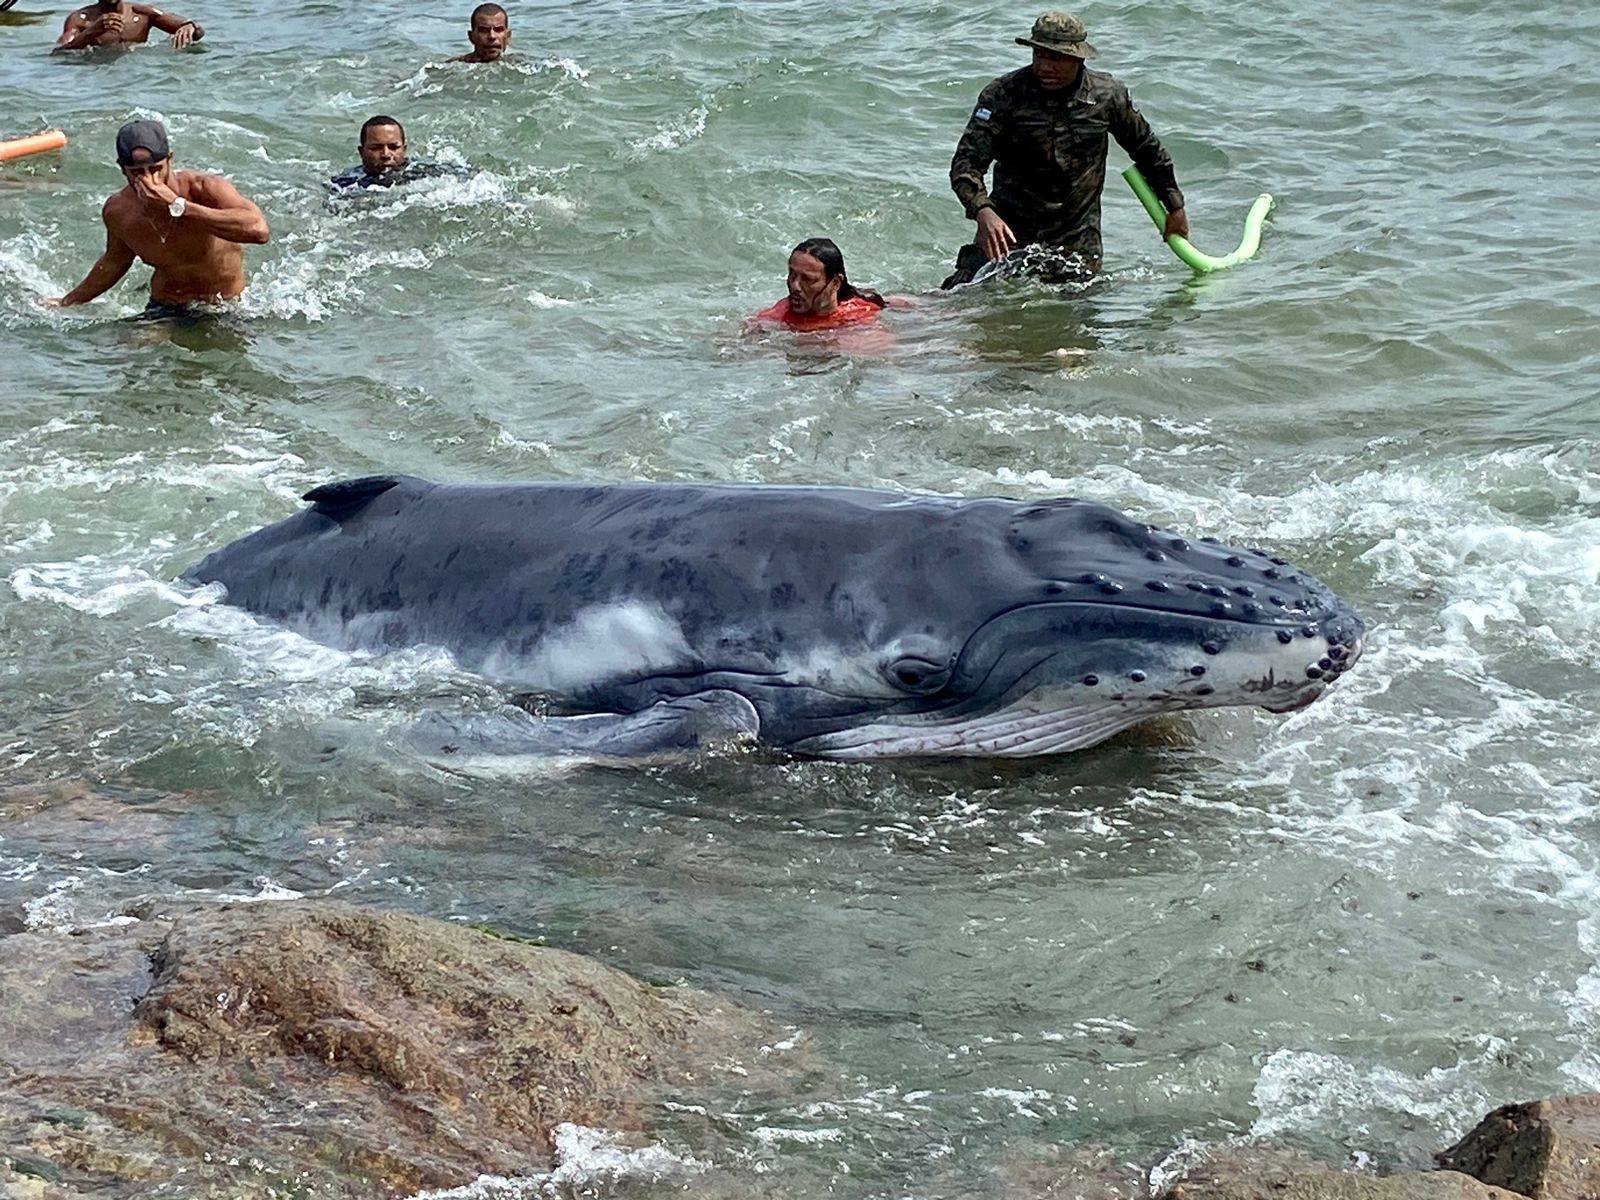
column 820, row 295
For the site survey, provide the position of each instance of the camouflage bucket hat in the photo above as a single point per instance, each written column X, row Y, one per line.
column 1062, row 33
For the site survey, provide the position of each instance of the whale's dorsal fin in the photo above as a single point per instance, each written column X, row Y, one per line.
column 343, row 500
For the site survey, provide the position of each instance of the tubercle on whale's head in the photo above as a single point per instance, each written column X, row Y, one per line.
column 1090, row 622
column 1245, row 626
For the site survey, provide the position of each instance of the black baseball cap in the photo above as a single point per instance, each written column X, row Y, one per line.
column 142, row 135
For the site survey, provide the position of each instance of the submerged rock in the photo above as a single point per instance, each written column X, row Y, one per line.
column 1084, row 1173
column 318, row 1049
column 1255, row 1174
column 1549, row 1150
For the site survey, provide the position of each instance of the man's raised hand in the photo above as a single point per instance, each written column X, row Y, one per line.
column 148, row 187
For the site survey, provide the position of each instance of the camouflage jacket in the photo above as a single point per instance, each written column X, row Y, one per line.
column 1049, row 152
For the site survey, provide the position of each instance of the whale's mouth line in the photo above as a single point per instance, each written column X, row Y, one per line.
column 1290, row 621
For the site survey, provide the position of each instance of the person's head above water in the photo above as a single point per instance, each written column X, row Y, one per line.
column 489, row 32
column 383, row 146
column 1060, row 44
column 142, row 150
column 817, row 282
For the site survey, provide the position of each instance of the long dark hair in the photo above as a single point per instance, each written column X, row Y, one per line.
column 832, row 260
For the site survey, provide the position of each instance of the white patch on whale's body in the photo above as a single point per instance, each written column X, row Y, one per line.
column 602, row 642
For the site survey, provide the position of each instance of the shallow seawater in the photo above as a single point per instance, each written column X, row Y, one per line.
column 1356, row 927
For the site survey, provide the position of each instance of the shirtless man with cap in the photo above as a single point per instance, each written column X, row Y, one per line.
column 189, row 226
column 119, row 23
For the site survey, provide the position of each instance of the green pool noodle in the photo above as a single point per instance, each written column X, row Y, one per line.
column 1201, row 263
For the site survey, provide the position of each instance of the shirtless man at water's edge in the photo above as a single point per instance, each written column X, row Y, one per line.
column 189, row 226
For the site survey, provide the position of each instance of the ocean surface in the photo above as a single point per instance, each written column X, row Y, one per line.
column 1355, row 928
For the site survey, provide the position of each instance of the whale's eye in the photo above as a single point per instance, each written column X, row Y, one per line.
column 918, row 675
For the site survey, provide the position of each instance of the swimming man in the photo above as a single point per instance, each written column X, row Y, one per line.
column 384, row 160
column 489, row 31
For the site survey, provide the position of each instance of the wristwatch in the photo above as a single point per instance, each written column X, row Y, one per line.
column 177, row 206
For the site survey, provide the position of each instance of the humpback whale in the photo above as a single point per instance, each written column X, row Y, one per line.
column 829, row 622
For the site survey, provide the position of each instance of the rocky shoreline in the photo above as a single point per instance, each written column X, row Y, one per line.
column 313, row 1049
column 1545, row 1150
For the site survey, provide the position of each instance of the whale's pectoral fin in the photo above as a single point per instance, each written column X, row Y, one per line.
column 667, row 729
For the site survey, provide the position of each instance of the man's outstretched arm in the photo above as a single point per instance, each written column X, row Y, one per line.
column 974, row 154
column 181, row 30
column 1133, row 134
column 106, row 273
column 970, row 165
column 79, row 32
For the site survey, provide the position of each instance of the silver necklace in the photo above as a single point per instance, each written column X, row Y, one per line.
column 156, row 229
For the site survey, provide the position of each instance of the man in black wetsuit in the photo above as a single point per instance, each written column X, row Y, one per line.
column 383, row 157
column 384, row 161
column 1045, row 128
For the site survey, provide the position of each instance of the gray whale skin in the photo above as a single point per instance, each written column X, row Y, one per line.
column 830, row 622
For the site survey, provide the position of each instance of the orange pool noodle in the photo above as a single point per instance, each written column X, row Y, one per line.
column 37, row 144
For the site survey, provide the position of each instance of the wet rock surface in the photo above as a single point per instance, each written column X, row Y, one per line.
column 1085, row 1173
column 311, row 1048
column 1258, row 1174
column 1549, row 1150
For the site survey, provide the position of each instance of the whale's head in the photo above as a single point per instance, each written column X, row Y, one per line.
column 1072, row 622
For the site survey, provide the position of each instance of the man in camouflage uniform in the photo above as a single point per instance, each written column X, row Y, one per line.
column 1044, row 127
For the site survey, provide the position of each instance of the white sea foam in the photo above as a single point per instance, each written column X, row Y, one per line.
column 585, row 1159
column 433, row 78
column 540, row 300
column 20, row 259
column 1583, row 1013
column 673, row 136
column 56, row 911
column 1177, row 1163
column 267, row 891
column 317, row 272
column 43, row 534
column 315, row 282
column 61, row 583
column 45, row 462
column 1034, row 1103
column 442, row 192
column 772, row 1136
column 1300, row 1091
